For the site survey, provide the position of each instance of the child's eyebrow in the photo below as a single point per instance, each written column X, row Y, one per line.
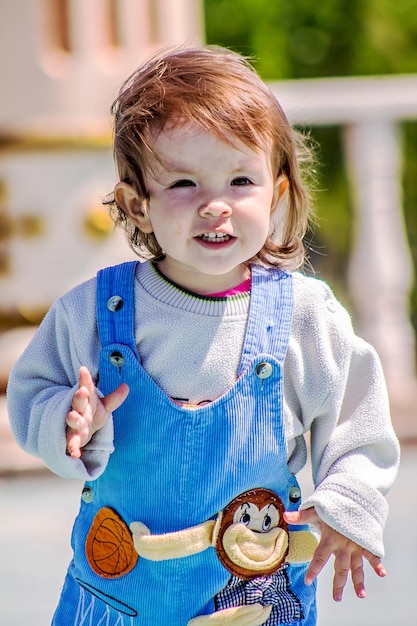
column 175, row 166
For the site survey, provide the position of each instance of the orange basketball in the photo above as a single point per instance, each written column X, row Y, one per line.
column 109, row 546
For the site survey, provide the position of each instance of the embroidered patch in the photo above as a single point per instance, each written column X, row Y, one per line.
column 109, row 546
column 252, row 538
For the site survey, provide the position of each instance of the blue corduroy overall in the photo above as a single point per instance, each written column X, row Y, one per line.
column 175, row 467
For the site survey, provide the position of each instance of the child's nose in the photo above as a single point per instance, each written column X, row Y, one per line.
column 215, row 208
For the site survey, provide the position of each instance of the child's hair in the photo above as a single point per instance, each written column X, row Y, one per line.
column 218, row 90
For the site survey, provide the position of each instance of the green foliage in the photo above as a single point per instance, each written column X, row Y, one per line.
column 410, row 202
column 308, row 39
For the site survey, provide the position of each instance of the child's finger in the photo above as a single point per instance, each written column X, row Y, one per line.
column 341, row 572
column 80, row 400
column 74, row 420
column 116, row 398
column 74, row 445
column 85, row 378
column 376, row 563
column 357, row 573
column 318, row 561
column 304, row 516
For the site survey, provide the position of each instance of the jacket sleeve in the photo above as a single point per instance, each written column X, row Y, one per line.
column 342, row 399
column 43, row 381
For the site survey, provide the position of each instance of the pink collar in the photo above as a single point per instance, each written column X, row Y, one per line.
column 242, row 288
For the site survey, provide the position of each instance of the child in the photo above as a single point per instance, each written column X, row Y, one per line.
column 181, row 388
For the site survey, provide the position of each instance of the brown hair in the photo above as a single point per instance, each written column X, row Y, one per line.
column 220, row 91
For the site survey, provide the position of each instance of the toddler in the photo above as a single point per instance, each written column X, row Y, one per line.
column 180, row 387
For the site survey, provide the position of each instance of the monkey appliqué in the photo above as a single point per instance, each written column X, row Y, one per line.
column 253, row 542
column 255, row 545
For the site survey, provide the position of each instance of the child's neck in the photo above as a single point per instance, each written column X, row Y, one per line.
column 207, row 285
column 216, row 288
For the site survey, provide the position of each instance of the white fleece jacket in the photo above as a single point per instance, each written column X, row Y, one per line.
column 333, row 388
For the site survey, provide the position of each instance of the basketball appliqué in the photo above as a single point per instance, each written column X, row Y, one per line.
column 109, row 546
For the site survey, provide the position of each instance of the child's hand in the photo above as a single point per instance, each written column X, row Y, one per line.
column 89, row 412
column 348, row 555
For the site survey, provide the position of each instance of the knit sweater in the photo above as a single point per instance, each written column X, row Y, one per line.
column 190, row 345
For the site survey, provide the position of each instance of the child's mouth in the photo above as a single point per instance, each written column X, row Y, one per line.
column 215, row 237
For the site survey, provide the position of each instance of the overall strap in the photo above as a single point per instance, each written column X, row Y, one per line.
column 115, row 304
column 270, row 314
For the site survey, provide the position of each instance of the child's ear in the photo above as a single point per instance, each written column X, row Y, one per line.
column 280, row 189
column 134, row 206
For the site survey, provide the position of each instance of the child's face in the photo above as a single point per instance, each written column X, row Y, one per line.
column 209, row 207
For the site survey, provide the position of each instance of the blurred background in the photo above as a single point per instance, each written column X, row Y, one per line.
column 344, row 72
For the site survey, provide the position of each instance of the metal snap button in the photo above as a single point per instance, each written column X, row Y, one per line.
column 87, row 495
column 117, row 359
column 294, row 494
column 263, row 370
column 115, row 303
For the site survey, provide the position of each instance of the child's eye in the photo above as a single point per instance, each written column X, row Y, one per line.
column 241, row 180
column 182, row 183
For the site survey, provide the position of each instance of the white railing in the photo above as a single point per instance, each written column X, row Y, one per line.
column 380, row 275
